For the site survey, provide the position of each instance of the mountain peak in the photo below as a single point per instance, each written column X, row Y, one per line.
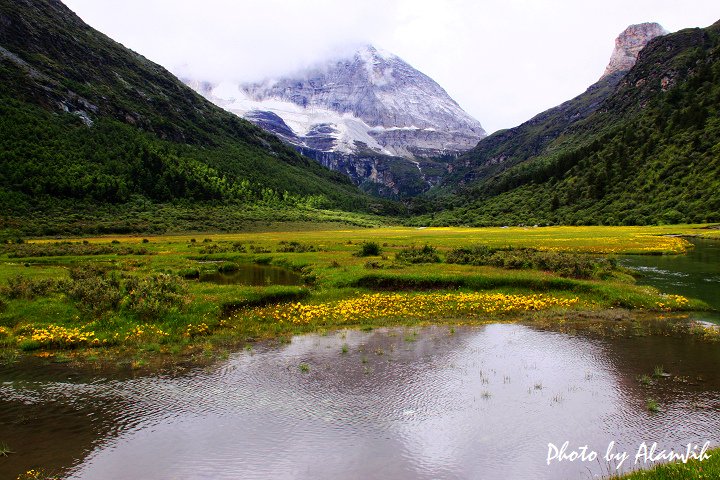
column 629, row 43
column 367, row 99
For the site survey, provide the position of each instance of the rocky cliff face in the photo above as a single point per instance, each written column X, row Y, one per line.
column 628, row 45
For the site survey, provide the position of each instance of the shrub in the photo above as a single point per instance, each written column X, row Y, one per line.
column 59, row 249
column 425, row 254
column 469, row 256
column 97, row 292
column 295, row 247
column 564, row 264
column 27, row 288
column 152, row 297
column 228, row 267
column 95, row 295
column 369, row 249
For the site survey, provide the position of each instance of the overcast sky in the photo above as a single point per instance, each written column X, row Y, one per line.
column 503, row 61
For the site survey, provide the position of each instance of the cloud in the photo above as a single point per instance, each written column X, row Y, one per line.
column 503, row 61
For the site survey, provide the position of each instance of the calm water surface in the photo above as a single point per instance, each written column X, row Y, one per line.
column 253, row 274
column 480, row 403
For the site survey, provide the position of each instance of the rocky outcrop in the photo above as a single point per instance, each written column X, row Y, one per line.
column 628, row 45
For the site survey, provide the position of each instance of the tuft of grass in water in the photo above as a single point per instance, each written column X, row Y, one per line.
column 659, row 371
column 5, row 450
column 411, row 337
column 645, row 380
column 304, row 367
column 344, row 348
column 486, row 395
column 538, row 386
column 652, row 405
column 137, row 364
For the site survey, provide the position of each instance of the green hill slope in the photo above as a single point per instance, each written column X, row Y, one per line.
column 87, row 122
column 650, row 153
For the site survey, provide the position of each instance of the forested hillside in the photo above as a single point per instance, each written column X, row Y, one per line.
column 649, row 154
column 87, row 122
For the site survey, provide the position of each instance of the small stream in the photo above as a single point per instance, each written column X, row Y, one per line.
column 694, row 275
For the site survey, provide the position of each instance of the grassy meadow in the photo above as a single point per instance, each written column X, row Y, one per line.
column 141, row 299
column 692, row 470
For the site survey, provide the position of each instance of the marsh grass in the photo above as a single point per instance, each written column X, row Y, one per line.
column 140, row 304
column 652, row 405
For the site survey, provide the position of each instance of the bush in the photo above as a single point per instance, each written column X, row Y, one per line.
column 369, row 249
column 59, row 249
column 27, row 288
column 95, row 295
column 295, row 247
column 228, row 267
column 564, row 264
column 152, row 297
column 97, row 292
column 425, row 254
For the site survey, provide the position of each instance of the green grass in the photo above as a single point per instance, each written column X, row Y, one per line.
column 147, row 305
column 652, row 405
column 5, row 450
column 692, row 470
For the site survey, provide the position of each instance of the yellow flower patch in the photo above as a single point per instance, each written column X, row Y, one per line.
column 197, row 330
column 672, row 302
column 55, row 335
column 423, row 306
column 145, row 330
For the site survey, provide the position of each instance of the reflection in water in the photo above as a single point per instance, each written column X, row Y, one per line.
column 253, row 274
column 482, row 403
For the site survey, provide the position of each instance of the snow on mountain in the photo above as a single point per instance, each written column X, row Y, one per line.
column 371, row 100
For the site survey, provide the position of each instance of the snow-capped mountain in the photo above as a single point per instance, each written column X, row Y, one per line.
column 370, row 101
